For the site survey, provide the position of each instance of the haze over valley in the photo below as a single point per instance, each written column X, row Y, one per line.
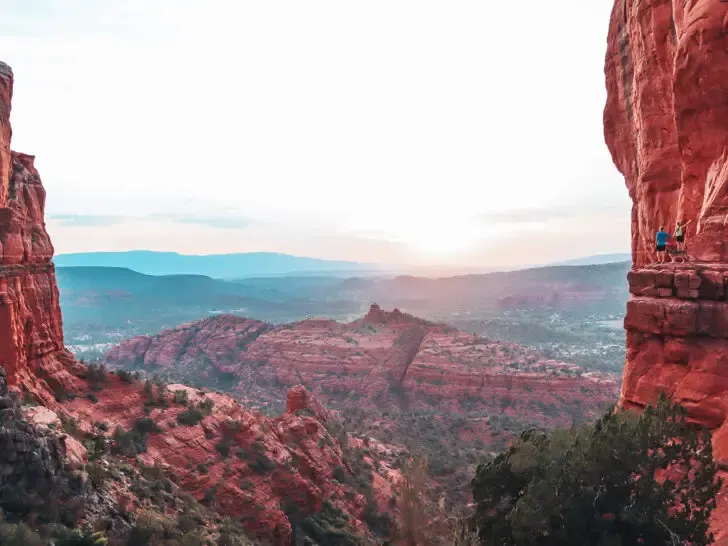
column 363, row 274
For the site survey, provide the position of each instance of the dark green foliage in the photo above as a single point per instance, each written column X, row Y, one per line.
column 379, row 523
column 330, row 526
column 339, row 474
column 61, row 395
column 223, row 448
column 194, row 414
column 145, row 425
column 19, row 535
column 95, row 374
column 79, row 537
column 156, row 393
column 261, row 464
column 129, row 443
column 210, row 495
column 133, row 442
column 206, row 406
column 595, row 484
column 125, row 376
column 29, row 399
column 181, row 397
column 190, row 417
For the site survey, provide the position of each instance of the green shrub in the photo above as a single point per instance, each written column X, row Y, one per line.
column 340, row 474
column 223, row 448
column 133, row 442
column 96, row 376
column 597, row 484
column 181, row 397
column 194, row 414
column 190, row 417
column 125, row 376
column 19, row 535
column 261, row 464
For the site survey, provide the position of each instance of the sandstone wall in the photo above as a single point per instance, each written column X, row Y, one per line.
column 666, row 119
column 31, row 344
column 677, row 343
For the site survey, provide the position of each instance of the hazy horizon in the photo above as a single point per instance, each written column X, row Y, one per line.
column 391, row 132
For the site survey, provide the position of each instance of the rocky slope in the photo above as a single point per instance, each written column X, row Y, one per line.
column 372, row 360
column 296, row 473
column 402, row 379
column 666, row 124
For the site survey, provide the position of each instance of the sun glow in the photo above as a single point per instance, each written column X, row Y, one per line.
column 441, row 240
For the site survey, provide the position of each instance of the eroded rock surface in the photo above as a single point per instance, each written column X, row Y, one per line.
column 371, row 363
column 666, row 119
column 394, row 377
column 666, row 125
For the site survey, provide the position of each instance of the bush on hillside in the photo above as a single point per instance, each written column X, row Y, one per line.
column 600, row 484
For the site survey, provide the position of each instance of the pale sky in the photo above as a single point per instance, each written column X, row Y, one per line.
column 389, row 131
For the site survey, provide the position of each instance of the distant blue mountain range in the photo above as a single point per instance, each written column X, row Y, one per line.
column 220, row 266
column 598, row 259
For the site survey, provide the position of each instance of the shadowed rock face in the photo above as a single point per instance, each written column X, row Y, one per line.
column 31, row 334
column 666, row 119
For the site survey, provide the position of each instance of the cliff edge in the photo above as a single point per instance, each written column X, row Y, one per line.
column 666, row 125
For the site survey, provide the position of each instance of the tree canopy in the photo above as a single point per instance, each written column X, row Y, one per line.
column 627, row 479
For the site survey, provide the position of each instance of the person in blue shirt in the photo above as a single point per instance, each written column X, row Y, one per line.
column 661, row 242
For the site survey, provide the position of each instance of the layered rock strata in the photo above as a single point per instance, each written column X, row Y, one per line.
column 677, row 342
column 666, row 126
column 382, row 359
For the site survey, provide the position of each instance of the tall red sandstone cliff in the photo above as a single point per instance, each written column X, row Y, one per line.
column 250, row 466
column 666, row 119
column 29, row 304
column 666, row 125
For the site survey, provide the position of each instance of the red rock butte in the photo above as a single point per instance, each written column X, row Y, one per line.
column 666, row 125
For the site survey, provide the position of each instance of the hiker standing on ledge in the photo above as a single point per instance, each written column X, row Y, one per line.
column 661, row 240
column 680, row 234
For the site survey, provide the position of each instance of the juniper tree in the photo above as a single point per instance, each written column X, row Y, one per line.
column 628, row 479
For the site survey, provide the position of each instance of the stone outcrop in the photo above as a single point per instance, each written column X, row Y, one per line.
column 299, row 399
column 31, row 343
column 677, row 341
column 33, row 462
column 370, row 363
column 666, row 119
column 677, row 344
column 666, row 125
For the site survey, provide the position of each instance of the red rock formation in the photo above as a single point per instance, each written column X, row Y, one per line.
column 300, row 399
column 666, row 119
column 666, row 125
column 368, row 364
column 31, row 344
